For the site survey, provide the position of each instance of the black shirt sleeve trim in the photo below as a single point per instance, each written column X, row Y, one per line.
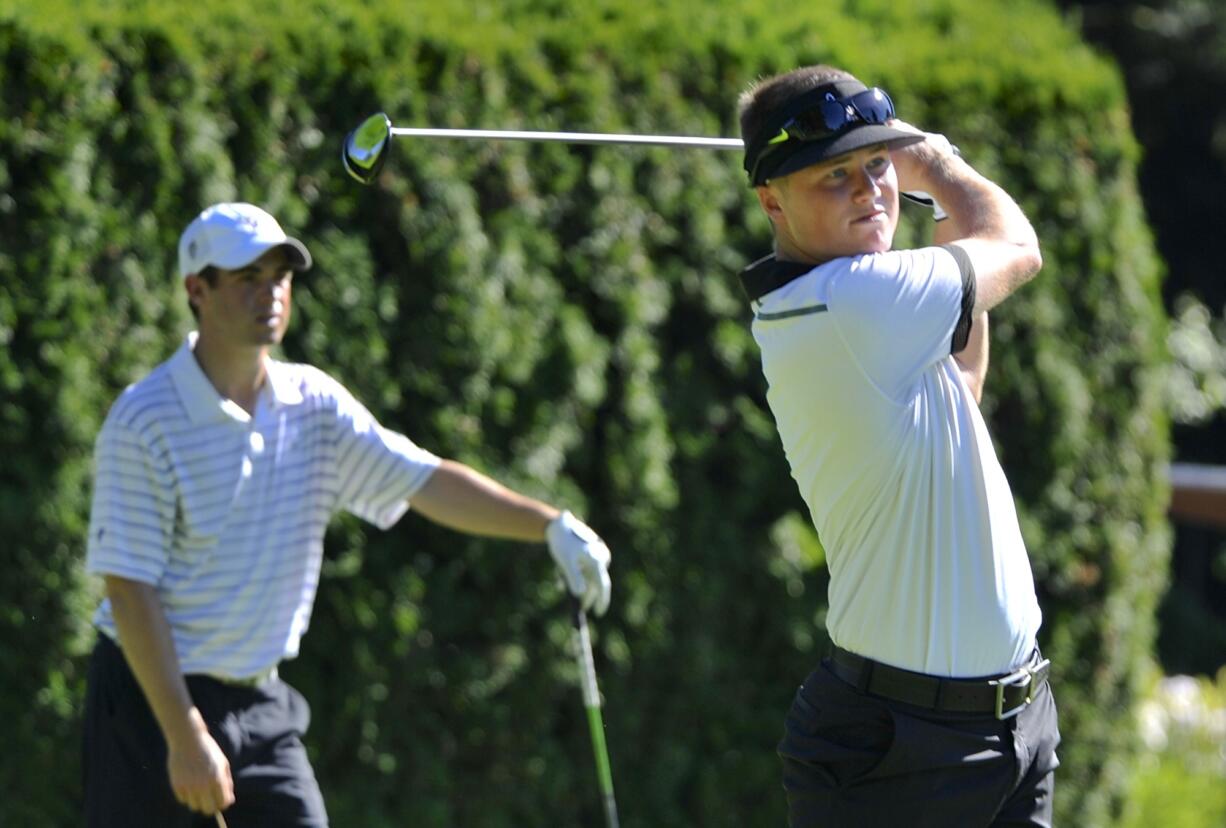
column 962, row 330
column 768, row 273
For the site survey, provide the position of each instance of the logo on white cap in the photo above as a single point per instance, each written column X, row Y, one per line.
column 233, row 235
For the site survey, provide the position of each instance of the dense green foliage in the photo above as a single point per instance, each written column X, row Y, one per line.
column 1172, row 54
column 1181, row 782
column 566, row 319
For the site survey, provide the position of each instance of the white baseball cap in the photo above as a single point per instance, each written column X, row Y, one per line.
column 233, row 235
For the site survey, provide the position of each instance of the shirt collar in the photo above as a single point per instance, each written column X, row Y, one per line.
column 200, row 398
column 768, row 273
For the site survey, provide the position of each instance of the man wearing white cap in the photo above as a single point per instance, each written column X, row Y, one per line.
column 216, row 476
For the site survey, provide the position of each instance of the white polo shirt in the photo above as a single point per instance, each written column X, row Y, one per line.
column 928, row 571
column 225, row 512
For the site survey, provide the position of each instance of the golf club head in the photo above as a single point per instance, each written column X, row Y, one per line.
column 366, row 148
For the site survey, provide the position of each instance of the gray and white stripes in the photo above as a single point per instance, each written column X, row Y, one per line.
column 225, row 513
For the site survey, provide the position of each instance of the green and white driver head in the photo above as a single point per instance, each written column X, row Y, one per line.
column 366, row 148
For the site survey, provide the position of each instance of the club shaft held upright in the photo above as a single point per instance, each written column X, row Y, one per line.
column 591, row 700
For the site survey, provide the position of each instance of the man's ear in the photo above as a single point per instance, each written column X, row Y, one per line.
column 195, row 288
column 768, row 197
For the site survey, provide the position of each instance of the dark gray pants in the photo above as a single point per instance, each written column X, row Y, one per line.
column 851, row 759
column 259, row 729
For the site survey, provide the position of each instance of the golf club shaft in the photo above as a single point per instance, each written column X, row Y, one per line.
column 573, row 137
column 591, row 700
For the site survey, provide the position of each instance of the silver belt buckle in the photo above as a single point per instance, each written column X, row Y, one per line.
column 1023, row 677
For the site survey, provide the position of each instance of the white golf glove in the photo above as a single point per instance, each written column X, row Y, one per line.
column 584, row 560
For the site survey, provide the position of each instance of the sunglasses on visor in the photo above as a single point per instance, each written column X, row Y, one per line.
column 813, row 120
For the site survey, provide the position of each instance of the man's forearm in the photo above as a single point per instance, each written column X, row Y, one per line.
column 461, row 498
column 983, row 220
column 948, row 229
column 144, row 636
column 978, row 206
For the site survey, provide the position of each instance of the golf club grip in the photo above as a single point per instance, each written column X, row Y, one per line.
column 698, row 142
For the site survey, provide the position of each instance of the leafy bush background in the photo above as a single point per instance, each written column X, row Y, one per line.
column 568, row 320
column 1182, row 721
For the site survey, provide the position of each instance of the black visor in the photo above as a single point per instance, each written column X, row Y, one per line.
column 821, row 123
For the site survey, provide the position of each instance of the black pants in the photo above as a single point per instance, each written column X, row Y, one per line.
column 851, row 759
column 260, row 730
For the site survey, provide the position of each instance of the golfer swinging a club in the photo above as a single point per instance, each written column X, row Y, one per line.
column 215, row 479
column 933, row 708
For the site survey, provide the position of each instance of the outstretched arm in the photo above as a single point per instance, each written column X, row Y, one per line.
column 462, row 498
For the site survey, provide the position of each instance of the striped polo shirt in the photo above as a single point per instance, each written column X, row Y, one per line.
column 928, row 569
column 225, row 512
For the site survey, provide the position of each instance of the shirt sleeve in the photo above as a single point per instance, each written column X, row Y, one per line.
column 962, row 330
column 132, row 516
column 379, row 469
column 901, row 312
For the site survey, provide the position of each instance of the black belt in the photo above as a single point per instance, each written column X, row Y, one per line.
column 1002, row 696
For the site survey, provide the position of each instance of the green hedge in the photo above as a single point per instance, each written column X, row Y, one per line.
column 568, row 320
